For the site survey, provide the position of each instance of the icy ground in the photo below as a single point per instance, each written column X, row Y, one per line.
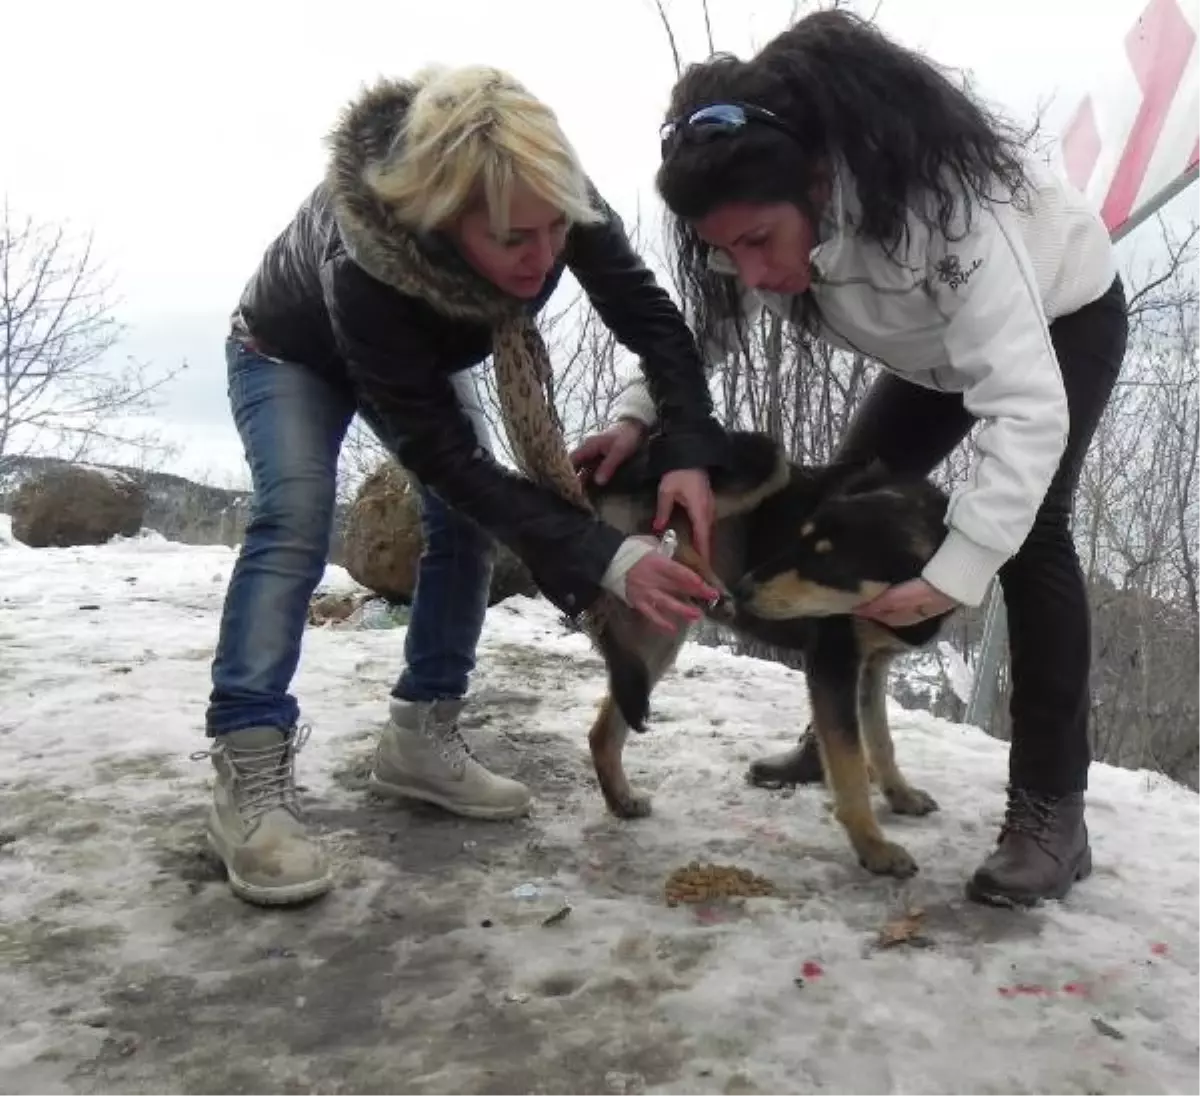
column 127, row 966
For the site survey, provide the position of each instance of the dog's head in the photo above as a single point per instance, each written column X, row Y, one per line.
column 845, row 538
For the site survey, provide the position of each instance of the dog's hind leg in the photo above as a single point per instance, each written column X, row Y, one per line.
column 872, row 710
column 637, row 656
column 832, row 670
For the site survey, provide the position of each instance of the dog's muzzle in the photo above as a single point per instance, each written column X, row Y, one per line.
column 723, row 610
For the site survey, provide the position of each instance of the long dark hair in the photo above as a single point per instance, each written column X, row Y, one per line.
column 913, row 141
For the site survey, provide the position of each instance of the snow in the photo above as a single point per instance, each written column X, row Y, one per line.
column 114, row 476
column 128, row 965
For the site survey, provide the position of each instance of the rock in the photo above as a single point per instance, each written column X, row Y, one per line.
column 95, row 1018
column 510, row 577
column 383, row 540
column 74, row 504
column 333, row 608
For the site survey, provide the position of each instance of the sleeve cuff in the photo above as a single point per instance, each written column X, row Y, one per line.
column 630, row 551
column 636, row 404
column 962, row 569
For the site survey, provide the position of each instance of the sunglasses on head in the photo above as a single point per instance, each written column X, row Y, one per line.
column 720, row 118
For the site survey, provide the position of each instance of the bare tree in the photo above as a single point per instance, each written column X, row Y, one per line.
column 591, row 370
column 61, row 393
column 362, row 453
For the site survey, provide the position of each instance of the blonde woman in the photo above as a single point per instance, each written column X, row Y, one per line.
column 450, row 209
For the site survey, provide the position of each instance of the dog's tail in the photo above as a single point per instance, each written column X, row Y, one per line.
column 628, row 677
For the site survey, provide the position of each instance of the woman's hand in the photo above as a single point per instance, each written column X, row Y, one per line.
column 656, row 585
column 906, row 603
column 686, row 487
column 611, row 447
column 689, row 488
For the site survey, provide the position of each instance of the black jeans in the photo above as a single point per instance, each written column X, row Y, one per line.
column 913, row 429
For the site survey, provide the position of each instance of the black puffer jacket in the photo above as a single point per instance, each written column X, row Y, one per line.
column 309, row 302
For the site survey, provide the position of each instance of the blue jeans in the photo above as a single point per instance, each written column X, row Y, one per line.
column 292, row 422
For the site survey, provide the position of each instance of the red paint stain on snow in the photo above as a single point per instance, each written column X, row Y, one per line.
column 1033, row 989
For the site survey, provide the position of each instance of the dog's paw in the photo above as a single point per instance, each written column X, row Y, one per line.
column 630, row 804
column 910, row 800
column 886, row 858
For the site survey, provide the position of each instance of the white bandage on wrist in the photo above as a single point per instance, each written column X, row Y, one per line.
column 630, row 551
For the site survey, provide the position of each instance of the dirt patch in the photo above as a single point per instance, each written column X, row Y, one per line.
column 32, row 808
column 155, row 766
column 65, row 952
column 400, row 981
column 422, row 972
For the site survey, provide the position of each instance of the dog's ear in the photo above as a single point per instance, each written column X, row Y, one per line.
column 750, row 453
column 750, row 462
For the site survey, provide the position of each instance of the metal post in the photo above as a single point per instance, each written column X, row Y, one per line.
column 987, row 665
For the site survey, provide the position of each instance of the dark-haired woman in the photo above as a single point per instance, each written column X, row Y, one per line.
column 846, row 183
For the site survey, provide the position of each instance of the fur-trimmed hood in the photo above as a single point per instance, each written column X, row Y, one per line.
column 417, row 264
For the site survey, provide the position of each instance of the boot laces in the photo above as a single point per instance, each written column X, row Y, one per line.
column 1030, row 814
column 447, row 738
column 264, row 778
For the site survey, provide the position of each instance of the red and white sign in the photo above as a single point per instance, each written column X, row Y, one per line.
column 1136, row 137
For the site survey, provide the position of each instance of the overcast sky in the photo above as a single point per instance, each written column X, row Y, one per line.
column 185, row 135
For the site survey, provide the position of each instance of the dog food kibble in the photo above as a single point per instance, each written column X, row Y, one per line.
column 705, row 882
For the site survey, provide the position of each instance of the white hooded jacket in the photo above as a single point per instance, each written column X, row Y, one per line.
column 968, row 316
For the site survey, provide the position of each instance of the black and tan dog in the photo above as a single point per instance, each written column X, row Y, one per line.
column 794, row 549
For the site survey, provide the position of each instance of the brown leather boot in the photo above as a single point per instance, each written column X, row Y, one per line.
column 1042, row 850
column 799, row 765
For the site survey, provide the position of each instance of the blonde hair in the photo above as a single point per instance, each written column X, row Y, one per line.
column 474, row 133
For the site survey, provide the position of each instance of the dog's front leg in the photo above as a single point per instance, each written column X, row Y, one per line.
column 872, row 704
column 832, row 671
column 607, row 742
column 636, row 655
